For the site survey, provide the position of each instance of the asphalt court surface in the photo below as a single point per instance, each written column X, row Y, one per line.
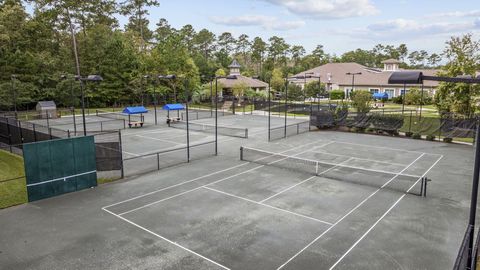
column 254, row 216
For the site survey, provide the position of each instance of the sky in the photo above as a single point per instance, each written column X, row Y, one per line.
column 339, row 25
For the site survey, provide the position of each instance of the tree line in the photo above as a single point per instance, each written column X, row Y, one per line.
column 37, row 49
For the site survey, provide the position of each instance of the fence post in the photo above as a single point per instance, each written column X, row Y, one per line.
column 410, row 123
column 50, row 133
column 122, row 172
column 34, row 133
column 20, row 130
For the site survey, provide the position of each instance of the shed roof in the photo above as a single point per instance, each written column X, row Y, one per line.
column 47, row 104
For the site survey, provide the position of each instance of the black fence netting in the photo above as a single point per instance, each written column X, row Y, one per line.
column 108, row 150
column 167, row 158
column 14, row 134
column 392, row 122
column 463, row 261
column 289, row 130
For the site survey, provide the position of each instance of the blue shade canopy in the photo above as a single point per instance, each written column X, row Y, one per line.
column 380, row 95
column 135, row 110
column 174, row 107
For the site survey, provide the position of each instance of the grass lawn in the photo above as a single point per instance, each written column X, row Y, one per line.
column 15, row 191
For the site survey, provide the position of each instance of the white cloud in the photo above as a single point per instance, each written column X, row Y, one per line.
column 401, row 29
column 328, row 9
column 266, row 22
column 457, row 14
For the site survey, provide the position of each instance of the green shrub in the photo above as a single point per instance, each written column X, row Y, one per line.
column 447, row 140
column 337, row 94
column 408, row 134
column 397, row 100
column 430, row 137
column 357, row 129
column 416, row 136
column 370, row 130
column 361, row 100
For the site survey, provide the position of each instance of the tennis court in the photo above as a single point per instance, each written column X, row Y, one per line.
column 318, row 200
column 300, row 208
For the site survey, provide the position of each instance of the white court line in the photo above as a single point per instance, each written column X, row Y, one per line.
column 306, row 180
column 367, row 159
column 349, row 212
column 185, row 192
column 194, row 179
column 197, row 188
column 163, row 238
column 383, row 216
column 383, row 147
column 162, row 140
column 269, row 206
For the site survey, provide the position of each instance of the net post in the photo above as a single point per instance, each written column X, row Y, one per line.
column 241, row 152
column 122, row 172
column 158, row 162
column 421, row 185
column 246, row 133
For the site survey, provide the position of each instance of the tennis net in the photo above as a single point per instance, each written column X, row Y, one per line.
column 404, row 183
column 222, row 130
column 119, row 116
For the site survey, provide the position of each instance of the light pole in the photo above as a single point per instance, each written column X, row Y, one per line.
column 170, row 77
column 14, row 92
column 144, row 84
column 319, row 77
column 216, row 112
column 286, row 105
column 72, row 108
column 89, row 78
column 353, row 80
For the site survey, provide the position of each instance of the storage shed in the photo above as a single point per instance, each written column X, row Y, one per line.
column 46, row 109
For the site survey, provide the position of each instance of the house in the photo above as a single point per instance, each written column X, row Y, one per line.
column 375, row 80
column 235, row 79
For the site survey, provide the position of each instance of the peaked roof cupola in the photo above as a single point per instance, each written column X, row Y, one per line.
column 234, row 67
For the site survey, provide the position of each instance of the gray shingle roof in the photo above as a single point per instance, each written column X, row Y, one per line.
column 239, row 79
column 369, row 77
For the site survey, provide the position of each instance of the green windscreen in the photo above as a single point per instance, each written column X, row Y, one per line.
column 59, row 166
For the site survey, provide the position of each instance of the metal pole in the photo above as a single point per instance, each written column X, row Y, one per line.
column 473, row 200
column 216, row 116
column 188, row 131
column 286, row 105
column 353, row 85
column 83, row 108
column 403, row 98
column 211, row 98
column 155, row 101
column 14, row 95
column 421, row 104
column 73, row 109
column 269, row 108
column 319, row 91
